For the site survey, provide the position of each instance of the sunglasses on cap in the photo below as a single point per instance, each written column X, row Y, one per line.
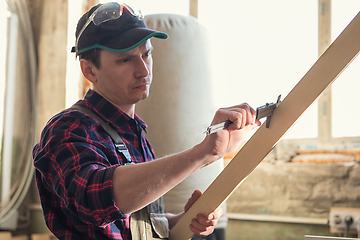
column 106, row 12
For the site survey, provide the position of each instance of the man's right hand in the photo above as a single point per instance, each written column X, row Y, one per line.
column 243, row 120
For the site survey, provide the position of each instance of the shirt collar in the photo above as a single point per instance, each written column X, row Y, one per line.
column 109, row 112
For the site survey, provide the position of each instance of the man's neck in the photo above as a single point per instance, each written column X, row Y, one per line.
column 129, row 109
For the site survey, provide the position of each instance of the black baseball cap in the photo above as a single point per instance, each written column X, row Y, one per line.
column 116, row 35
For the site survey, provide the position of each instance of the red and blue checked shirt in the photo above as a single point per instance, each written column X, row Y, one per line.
column 75, row 160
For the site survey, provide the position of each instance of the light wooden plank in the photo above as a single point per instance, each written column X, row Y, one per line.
column 324, row 103
column 324, row 25
column 194, row 8
column 40, row 236
column 20, row 237
column 279, row 219
column 309, row 237
column 5, row 235
column 326, row 69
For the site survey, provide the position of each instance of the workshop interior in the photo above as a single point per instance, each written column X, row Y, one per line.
column 219, row 53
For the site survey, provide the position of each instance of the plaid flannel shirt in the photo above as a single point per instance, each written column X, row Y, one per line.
column 75, row 160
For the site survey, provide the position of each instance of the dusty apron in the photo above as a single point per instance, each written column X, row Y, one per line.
column 150, row 222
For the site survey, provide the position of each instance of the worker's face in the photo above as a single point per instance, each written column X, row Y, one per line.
column 125, row 78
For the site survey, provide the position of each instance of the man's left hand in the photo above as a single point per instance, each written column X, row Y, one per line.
column 202, row 225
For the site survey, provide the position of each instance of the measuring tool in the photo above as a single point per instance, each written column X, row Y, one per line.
column 266, row 110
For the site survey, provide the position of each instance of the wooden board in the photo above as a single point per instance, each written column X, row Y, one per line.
column 40, row 236
column 309, row 237
column 326, row 69
column 5, row 235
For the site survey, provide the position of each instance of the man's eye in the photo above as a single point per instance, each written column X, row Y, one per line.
column 124, row 60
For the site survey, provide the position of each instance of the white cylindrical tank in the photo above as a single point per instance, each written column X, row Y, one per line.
column 180, row 106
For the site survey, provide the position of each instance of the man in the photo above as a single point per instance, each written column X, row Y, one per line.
column 89, row 188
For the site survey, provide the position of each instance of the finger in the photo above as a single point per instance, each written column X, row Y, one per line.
column 249, row 117
column 201, row 233
column 257, row 122
column 239, row 115
column 244, row 115
column 240, row 119
column 253, row 113
column 216, row 214
column 200, row 226
column 249, row 113
column 195, row 196
column 207, row 221
column 200, row 229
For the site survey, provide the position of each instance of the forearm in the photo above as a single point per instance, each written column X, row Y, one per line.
column 137, row 185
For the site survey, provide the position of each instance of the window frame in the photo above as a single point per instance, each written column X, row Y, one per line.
column 325, row 142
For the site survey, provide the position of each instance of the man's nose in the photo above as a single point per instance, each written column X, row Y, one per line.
column 142, row 68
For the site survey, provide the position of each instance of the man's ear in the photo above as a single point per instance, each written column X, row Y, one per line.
column 88, row 69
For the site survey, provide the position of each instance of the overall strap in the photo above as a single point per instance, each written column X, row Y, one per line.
column 118, row 142
column 149, row 223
